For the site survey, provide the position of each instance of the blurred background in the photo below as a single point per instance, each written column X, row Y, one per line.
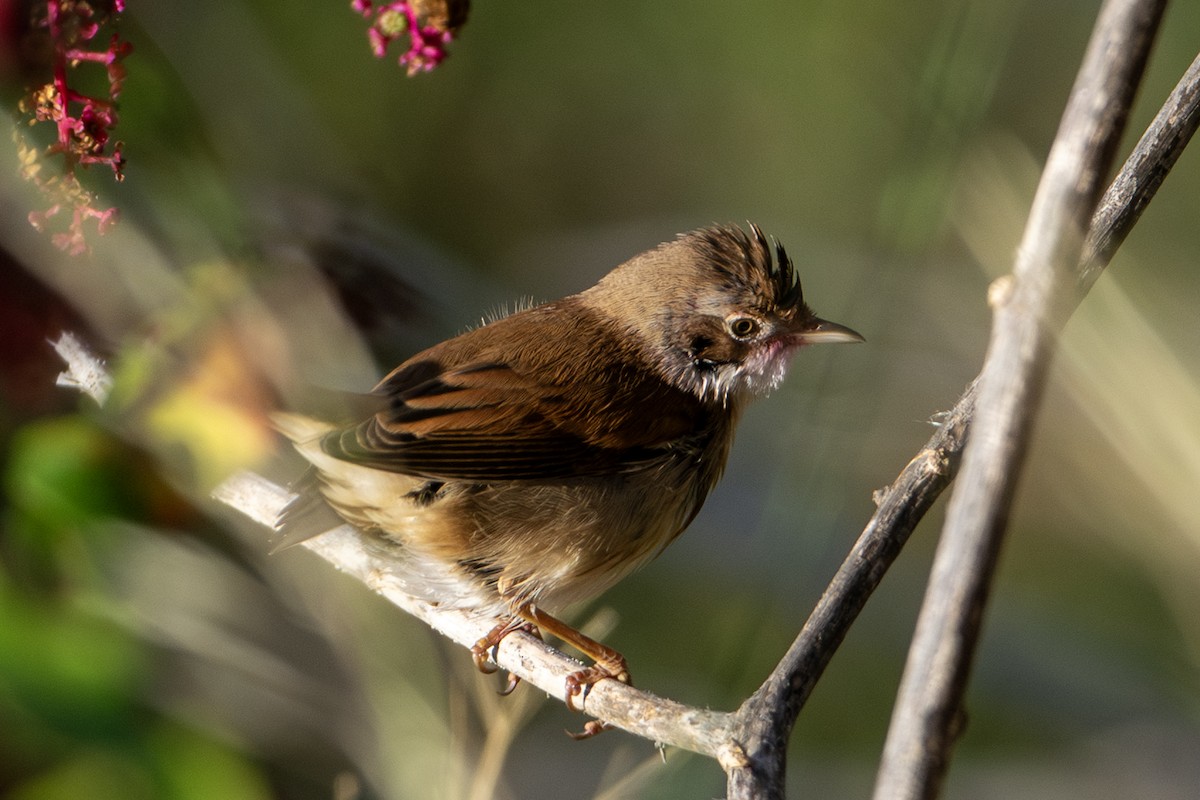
column 297, row 213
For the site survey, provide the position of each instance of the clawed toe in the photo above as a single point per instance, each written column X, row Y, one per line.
column 484, row 660
column 593, row 727
column 608, row 662
column 581, row 682
column 484, row 651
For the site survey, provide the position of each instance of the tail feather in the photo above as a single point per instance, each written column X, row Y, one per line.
column 299, row 427
column 307, row 515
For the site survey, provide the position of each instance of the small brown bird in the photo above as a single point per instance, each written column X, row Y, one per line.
column 535, row 461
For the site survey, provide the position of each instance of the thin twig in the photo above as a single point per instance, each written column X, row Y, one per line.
column 1030, row 308
column 367, row 558
column 1144, row 171
column 85, row 371
column 763, row 724
column 766, row 719
column 371, row 560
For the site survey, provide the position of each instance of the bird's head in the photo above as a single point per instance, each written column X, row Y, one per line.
column 720, row 311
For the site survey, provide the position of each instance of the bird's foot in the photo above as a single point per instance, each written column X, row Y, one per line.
column 484, row 651
column 581, row 682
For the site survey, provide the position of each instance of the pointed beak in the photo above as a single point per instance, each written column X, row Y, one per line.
column 820, row 331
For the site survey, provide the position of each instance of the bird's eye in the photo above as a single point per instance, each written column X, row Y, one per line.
column 743, row 327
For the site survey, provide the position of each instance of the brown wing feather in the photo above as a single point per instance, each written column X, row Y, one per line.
column 460, row 411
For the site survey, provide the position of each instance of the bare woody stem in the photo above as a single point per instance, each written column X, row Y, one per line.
column 764, row 722
column 1030, row 308
column 372, row 560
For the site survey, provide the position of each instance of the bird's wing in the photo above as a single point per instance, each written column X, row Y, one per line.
column 492, row 421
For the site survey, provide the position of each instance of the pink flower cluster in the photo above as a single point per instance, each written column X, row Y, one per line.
column 391, row 20
column 83, row 123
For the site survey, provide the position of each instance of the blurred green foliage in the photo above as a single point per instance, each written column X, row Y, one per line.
column 73, row 681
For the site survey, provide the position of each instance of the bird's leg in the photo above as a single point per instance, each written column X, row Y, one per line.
column 486, row 648
column 608, row 662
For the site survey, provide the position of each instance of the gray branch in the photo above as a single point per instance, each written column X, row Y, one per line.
column 765, row 720
column 1030, row 307
column 370, row 559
